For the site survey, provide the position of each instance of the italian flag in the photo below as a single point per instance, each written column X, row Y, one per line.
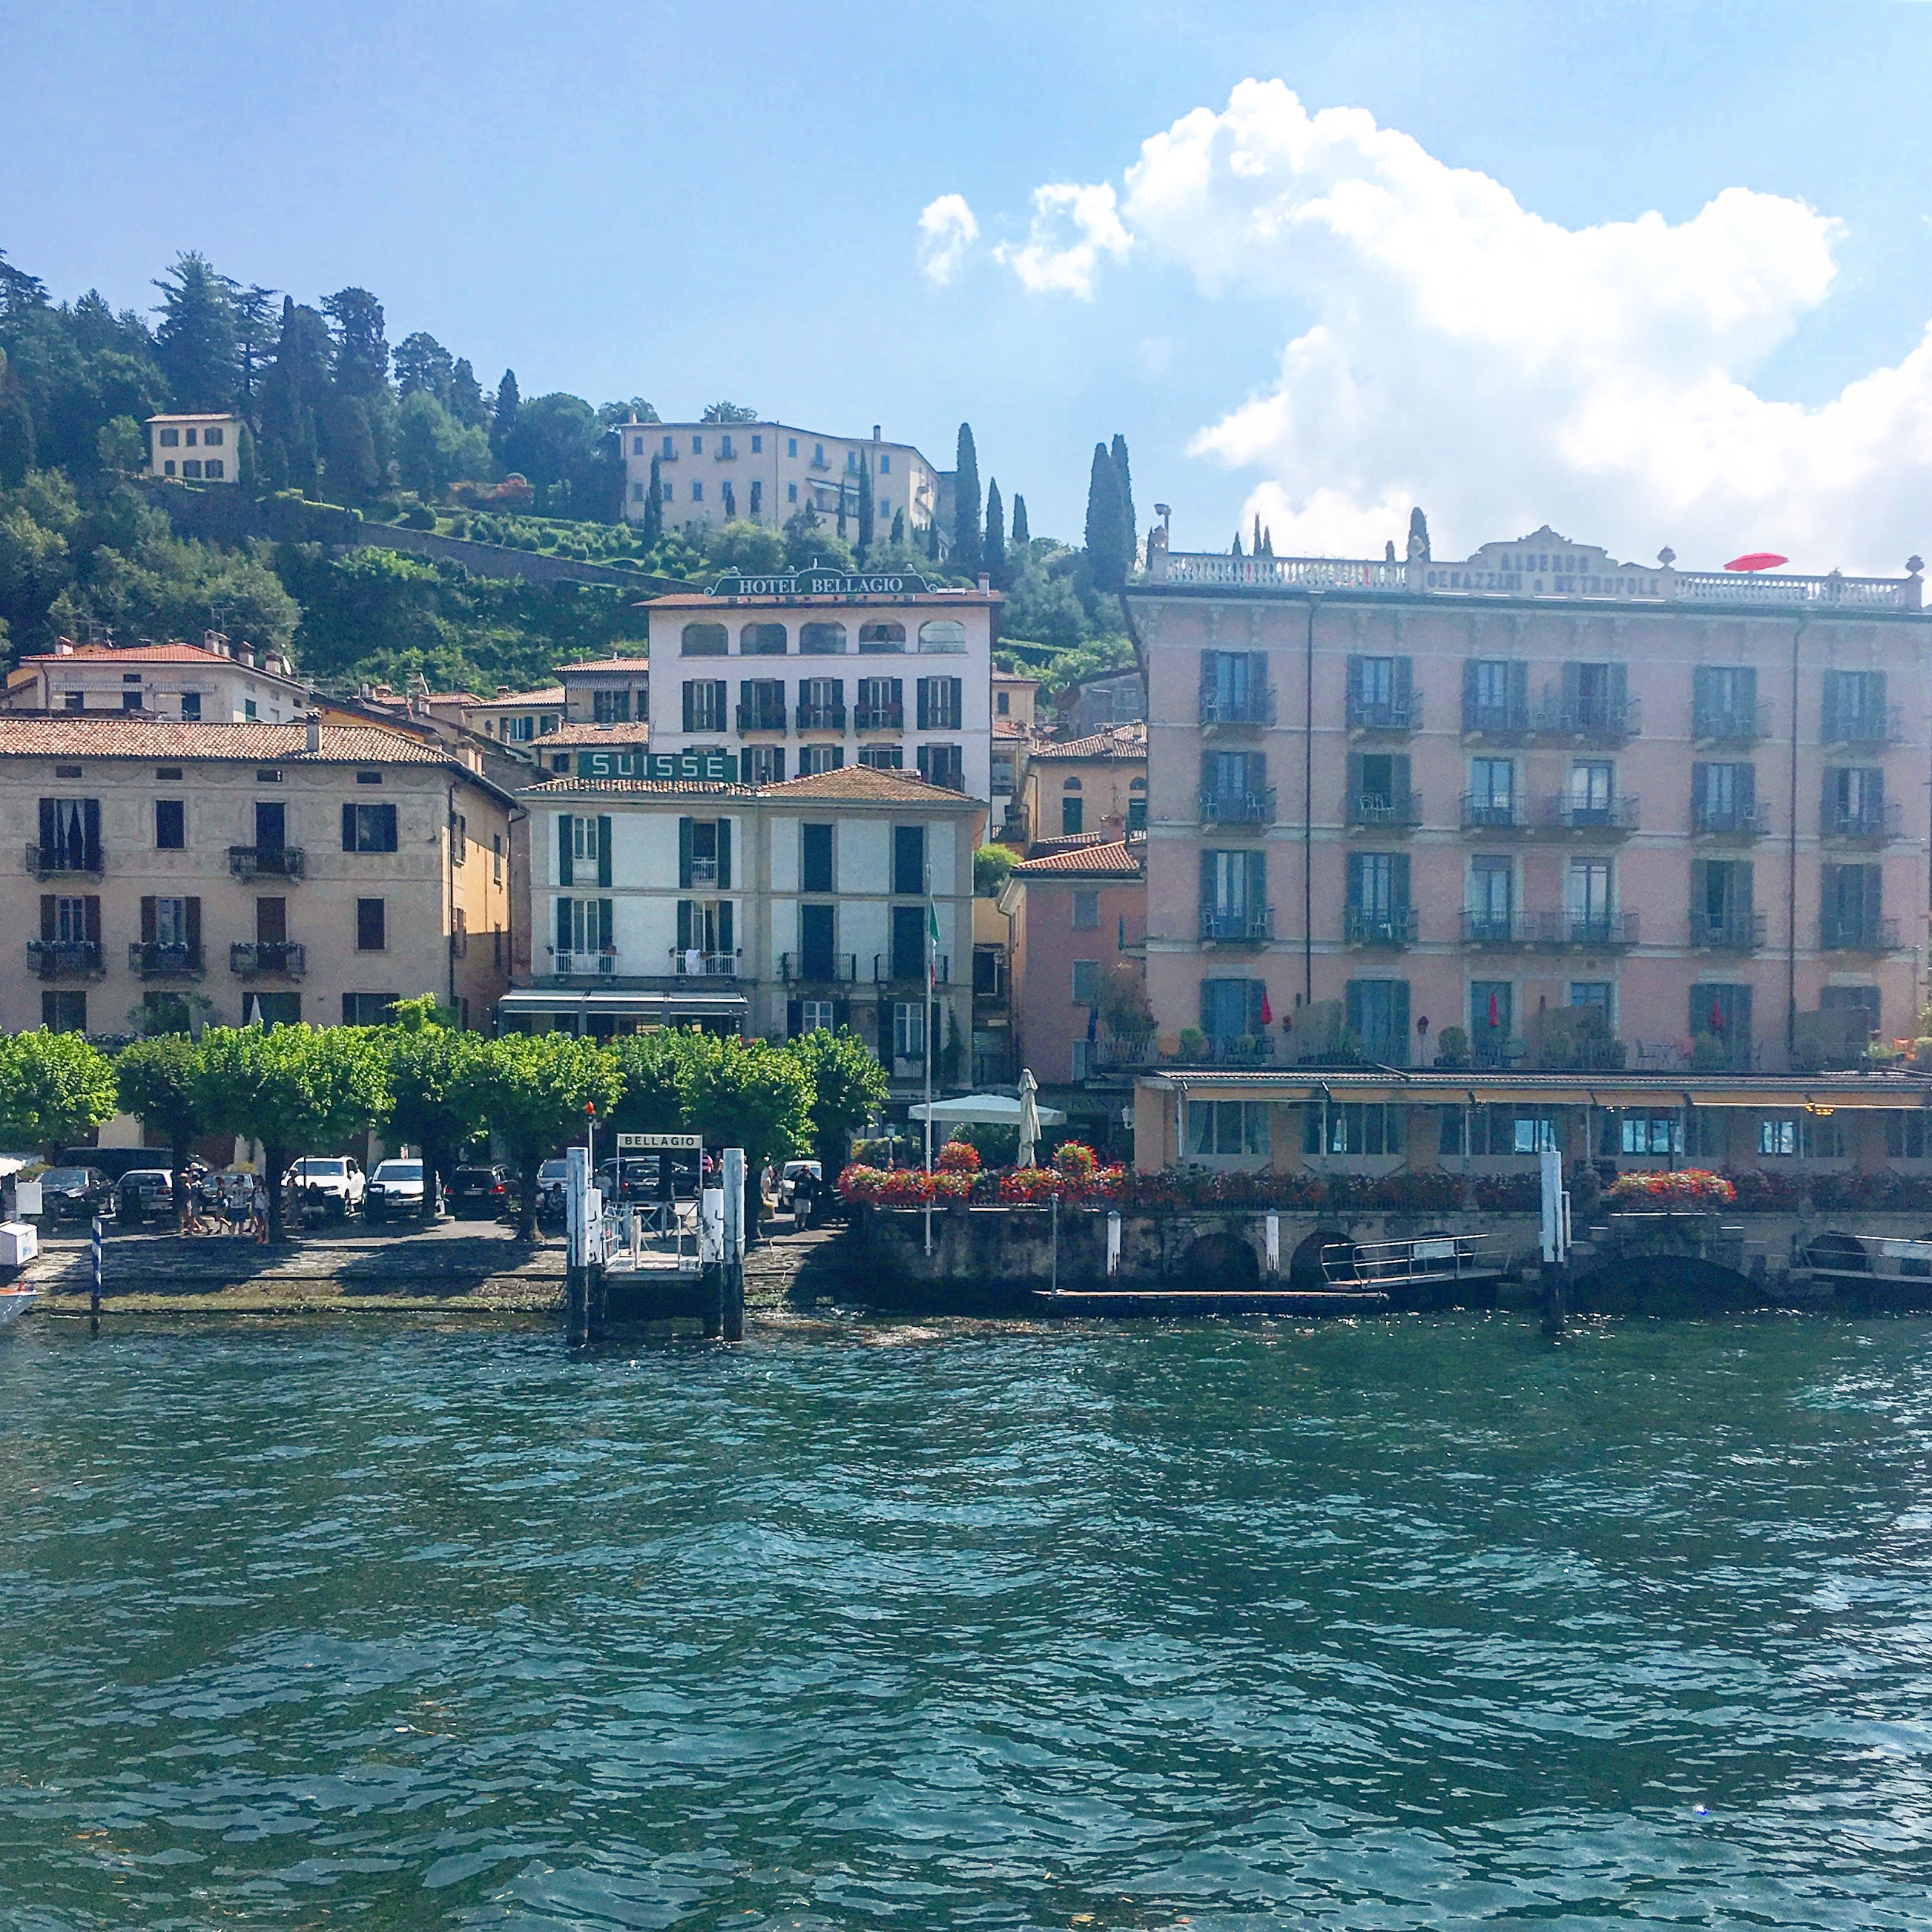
column 931, row 950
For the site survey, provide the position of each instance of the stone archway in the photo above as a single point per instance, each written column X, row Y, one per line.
column 1221, row 1262
column 1843, row 1253
column 1305, row 1270
column 1664, row 1285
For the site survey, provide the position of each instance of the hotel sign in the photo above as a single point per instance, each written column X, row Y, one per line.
column 696, row 766
column 816, row 583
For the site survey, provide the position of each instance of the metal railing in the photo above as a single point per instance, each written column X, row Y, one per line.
column 702, row 872
column 1730, row 821
column 887, row 971
column 1872, row 825
column 1246, row 1049
column 1246, row 707
column 1731, row 724
column 1509, row 719
column 1598, row 721
column 266, row 862
column 1237, row 925
column 1112, row 1050
column 1386, row 714
column 152, row 960
column 1491, row 815
column 1728, row 932
column 1566, row 813
column 51, row 862
column 888, row 717
column 817, row 969
column 288, row 957
column 1238, row 807
column 1602, row 931
column 52, row 957
column 1874, row 934
column 1391, row 809
column 1364, row 926
column 582, row 965
column 821, row 717
column 1425, row 1258
column 1882, row 724
column 1484, row 928
column 761, row 717
column 690, row 963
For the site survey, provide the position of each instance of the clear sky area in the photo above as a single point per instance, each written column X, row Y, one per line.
column 1650, row 273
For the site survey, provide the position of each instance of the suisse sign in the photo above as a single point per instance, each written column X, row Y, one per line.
column 701, row 767
column 817, row 582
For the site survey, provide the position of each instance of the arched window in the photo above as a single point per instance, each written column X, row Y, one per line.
column 1072, row 810
column 1072, row 784
column 706, row 640
column 824, row 640
column 762, row 640
column 885, row 636
column 943, row 634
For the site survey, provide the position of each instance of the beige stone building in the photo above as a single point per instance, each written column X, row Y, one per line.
column 195, row 449
column 217, row 682
column 160, row 872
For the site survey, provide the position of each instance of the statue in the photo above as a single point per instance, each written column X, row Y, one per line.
column 1418, row 537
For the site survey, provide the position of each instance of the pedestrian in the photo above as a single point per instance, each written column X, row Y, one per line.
column 258, row 1208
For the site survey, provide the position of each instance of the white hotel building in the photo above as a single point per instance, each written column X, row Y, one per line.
column 766, row 472
column 815, row 671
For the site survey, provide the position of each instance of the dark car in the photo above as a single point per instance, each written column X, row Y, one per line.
column 479, row 1190
column 76, row 1194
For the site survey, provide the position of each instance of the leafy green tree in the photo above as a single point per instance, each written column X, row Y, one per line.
column 728, row 413
column 55, row 1089
column 195, row 343
column 1107, row 545
column 16, row 438
column 509, row 403
column 423, row 366
column 123, row 446
column 347, row 441
column 1130, row 525
column 434, row 448
column 847, row 1087
column 568, row 456
column 741, row 545
column 293, row 1088
column 637, row 410
column 966, row 554
column 434, row 1094
column 466, row 401
column 159, row 1080
column 652, row 1067
column 1022, row 536
column 996, row 537
column 991, row 864
column 807, row 542
column 749, row 1094
column 534, row 1088
column 362, row 366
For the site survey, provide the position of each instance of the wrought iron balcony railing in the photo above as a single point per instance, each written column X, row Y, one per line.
column 1603, row 931
column 1873, row 825
column 1492, row 815
column 1566, row 812
column 1878, row 725
column 1387, row 714
column 1596, row 721
column 761, row 717
column 1727, row 932
column 287, row 957
column 1394, row 811
column 1238, row 807
column 1509, row 719
column 1729, row 821
column 818, row 969
column 266, row 862
column 1872, row 934
column 1253, row 706
column 691, row 963
column 887, row 717
column 1731, row 724
column 60, row 958
column 1394, row 925
column 582, row 965
column 52, row 862
column 1237, row 926
column 152, row 960
column 821, row 717
column 1490, row 928
column 887, row 971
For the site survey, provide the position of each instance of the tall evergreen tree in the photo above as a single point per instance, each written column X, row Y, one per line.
column 1267, row 544
column 423, row 363
column 1129, row 523
column 651, row 527
column 361, row 348
column 898, row 528
column 256, row 328
column 1106, row 543
column 996, row 536
column 867, row 514
column 1022, row 536
column 294, row 386
column 17, row 439
column 1236, row 550
column 508, row 402
column 196, row 342
column 467, row 403
column 1258, row 533
column 967, row 551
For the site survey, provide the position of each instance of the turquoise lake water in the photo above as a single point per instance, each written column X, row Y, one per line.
column 1414, row 1623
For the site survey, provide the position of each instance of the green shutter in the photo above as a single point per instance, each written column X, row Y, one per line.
column 606, row 932
column 563, row 925
column 1206, row 881
column 1354, row 679
column 1399, row 767
column 1830, row 716
column 726, row 943
column 1700, row 696
column 1399, row 1023
column 349, row 828
column 724, row 852
column 566, row 874
column 1519, row 688
column 1353, row 803
column 603, row 851
column 1745, row 784
column 1619, row 688
column 684, row 925
column 1399, row 898
column 684, row 852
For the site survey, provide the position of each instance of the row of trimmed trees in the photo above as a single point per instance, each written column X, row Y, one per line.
column 301, row 1090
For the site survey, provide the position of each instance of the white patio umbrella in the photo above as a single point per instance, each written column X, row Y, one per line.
column 995, row 1110
column 1029, row 1106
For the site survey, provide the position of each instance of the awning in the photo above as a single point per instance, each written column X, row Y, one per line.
column 656, row 1008
column 1627, row 1090
column 988, row 1110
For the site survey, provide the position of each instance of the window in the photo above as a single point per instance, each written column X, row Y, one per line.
column 1344, row 1128
column 1137, row 805
column 1492, row 791
column 882, row 757
column 1002, row 701
column 815, row 872
column 704, row 705
column 496, row 858
column 669, row 491
column 909, row 860
column 1086, row 982
column 1087, row 912
column 1492, row 897
column 791, row 489
column 885, row 464
column 268, row 775
column 1378, row 901
column 637, row 445
column 191, row 466
column 908, row 1029
column 611, row 707
column 669, row 450
column 726, row 453
column 189, row 439
column 763, row 764
column 818, row 455
column 1854, row 802
column 171, row 439
column 584, row 927
column 1492, row 1019
column 757, row 446
column 1906, row 1138
column 1650, row 1134
column 1591, row 787
column 761, row 704
column 697, row 446
column 1852, row 907
column 168, row 467
column 698, row 493
column 1376, row 1012
column 1231, row 1008
column 943, row 765
column 371, row 925
column 368, row 777
column 731, row 503
column 637, row 493
column 881, row 637
column 365, row 1008
column 943, row 634
column 791, row 449
column 881, row 704
column 459, row 838
column 1496, row 695
column 1228, row 1127
column 1589, row 896
column 168, row 774
column 170, row 824
column 1854, row 709
column 942, row 705
column 1801, row 1137
column 74, row 701
column 212, row 438
column 1595, row 993
column 758, row 493
column 823, row 639
column 704, row 852
column 368, row 828
column 63, row 1013
column 1496, row 1132
column 814, row 760
column 70, row 831
column 212, row 468
column 190, row 707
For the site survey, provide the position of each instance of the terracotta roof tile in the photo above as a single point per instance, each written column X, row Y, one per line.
column 61, row 735
column 171, row 653
column 1125, row 742
column 1119, row 860
column 604, row 664
column 644, row 787
column 588, row 734
column 1010, row 727
column 864, row 781
column 551, row 693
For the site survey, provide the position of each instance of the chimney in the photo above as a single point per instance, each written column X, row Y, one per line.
column 985, row 582
column 314, row 721
column 64, row 647
column 245, row 654
column 502, row 690
column 875, row 432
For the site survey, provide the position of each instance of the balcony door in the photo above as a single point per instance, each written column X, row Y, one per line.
column 270, row 825
column 816, row 937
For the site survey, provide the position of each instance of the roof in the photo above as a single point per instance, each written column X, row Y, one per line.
column 605, row 664
column 1012, row 676
column 205, row 415
column 1010, row 727
column 551, row 693
column 67, row 735
column 1117, row 860
column 581, row 734
column 139, row 654
column 857, row 784
column 1447, row 1088
column 1125, row 742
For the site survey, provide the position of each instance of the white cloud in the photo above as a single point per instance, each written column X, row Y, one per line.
column 1499, row 368
column 946, row 230
column 1073, row 227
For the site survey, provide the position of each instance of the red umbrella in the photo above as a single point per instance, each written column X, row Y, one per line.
column 1268, row 1011
column 1757, row 559
column 1495, row 1012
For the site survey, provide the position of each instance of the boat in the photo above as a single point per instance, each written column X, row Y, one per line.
column 16, row 1298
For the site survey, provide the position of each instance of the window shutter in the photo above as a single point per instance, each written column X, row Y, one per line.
column 955, row 705
column 1398, row 1022
column 1354, row 679
column 1399, row 765
column 49, row 916
column 1208, row 898
column 1354, row 784
column 1700, row 790
column 1741, row 888
column 1253, row 991
column 566, row 866
column 606, row 932
column 1469, row 685
column 603, row 850
column 1257, row 872
column 1700, row 694
column 387, row 813
column 1745, row 783
column 1874, row 891
column 1747, row 689
column 1619, row 687
column 1700, row 890
column 747, row 689
column 794, row 1018
column 194, row 924
column 563, row 925
column 1831, row 717
column 726, row 942
column 148, row 921
column 90, row 907
column 1354, row 881
column 690, row 704
column 925, row 704
column 1874, row 792
column 898, row 690
column 90, row 833
column 724, row 852
column 1404, row 684
column 349, row 828
column 684, row 852
column 1828, row 803
column 1573, row 685
column 48, row 835
column 684, row 925
column 1519, row 686
column 841, row 1015
column 1874, row 694
column 1352, row 1018
column 1398, row 881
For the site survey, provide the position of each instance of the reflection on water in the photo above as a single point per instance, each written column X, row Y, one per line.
column 1374, row 1625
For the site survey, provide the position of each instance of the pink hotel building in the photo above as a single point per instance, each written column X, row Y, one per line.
column 1536, row 813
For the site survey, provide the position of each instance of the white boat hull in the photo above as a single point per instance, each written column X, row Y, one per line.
column 15, row 1301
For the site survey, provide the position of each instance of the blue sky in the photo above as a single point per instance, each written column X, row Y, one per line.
column 687, row 203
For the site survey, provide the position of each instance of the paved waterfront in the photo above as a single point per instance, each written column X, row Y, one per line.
column 1374, row 1625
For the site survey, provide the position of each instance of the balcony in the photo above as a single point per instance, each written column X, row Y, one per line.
column 1487, row 928
column 1492, row 815
column 1731, row 725
column 1595, row 721
column 1237, row 808
column 887, row 971
column 1859, row 935
column 1384, row 811
column 761, row 717
column 1387, row 714
column 66, row 959
column 1506, row 720
column 689, row 963
column 1112, row 1052
column 1566, row 813
column 1727, row 932
column 266, row 862
column 881, row 717
column 821, row 717
column 1729, row 821
column 1599, row 931
column 570, row 965
column 1883, row 725
column 1874, row 825
column 1237, row 926
column 150, row 959
column 1244, row 709
column 818, row 969
column 287, row 958
column 1364, row 926
column 1245, row 1049
column 702, row 872
column 64, row 862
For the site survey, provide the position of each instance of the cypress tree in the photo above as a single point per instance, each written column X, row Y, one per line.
column 1236, row 550
column 16, row 438
column 1267, row 544
column 1106, row 546
column 195, row 343
column 508, row 402
column 932, row 541
column 967, row 552
column 898, row 528
column 1021, row 537
column 1258, row 533
column 867, row 514
column 996, row 537
column 651, row 527
column 1129, row 523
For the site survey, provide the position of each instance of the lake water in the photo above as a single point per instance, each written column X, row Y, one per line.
column 1419, row 1623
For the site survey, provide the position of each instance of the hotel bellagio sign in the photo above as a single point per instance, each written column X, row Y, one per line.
column 817, row 582
column 698, row 766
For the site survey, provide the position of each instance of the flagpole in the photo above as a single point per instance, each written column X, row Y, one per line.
column 932, row 980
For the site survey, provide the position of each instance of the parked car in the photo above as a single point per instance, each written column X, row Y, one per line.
column 395, row 1189
column 479, row 1190
column 788, row 1180
column 76, row 1194
column 332, row 1183
column 550, row 1178
column 144, row 1191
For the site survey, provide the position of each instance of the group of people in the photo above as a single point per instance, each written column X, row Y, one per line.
column 224, row 1204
